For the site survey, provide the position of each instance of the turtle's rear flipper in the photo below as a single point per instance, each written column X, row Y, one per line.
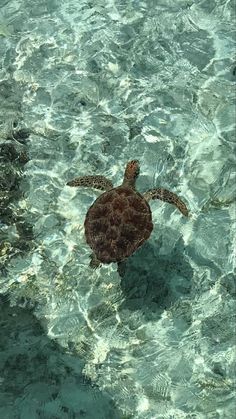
column 94, row 262
column 167, row 196
column 121, row 268
column 96, row 182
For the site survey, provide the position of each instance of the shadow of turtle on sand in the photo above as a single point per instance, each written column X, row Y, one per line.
column 156, row 281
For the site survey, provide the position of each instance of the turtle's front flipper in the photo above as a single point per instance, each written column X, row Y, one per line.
column 167, row 196
column 96, row 182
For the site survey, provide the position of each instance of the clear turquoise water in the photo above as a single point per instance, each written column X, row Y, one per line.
column 98, row 85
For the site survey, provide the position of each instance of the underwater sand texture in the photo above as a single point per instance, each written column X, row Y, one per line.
column 97, row 85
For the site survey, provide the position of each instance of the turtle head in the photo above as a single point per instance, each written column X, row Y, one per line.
column 131, row 173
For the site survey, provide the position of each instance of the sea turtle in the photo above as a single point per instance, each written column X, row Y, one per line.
column 120, row 219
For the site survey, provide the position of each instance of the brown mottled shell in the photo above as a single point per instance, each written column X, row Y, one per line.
column 117, row 223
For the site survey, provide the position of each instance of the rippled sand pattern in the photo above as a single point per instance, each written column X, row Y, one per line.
column 84, row 87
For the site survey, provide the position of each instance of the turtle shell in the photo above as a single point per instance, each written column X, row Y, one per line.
column 117, row 223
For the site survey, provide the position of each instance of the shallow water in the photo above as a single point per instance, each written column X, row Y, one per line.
column 95, row 86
